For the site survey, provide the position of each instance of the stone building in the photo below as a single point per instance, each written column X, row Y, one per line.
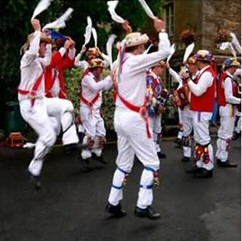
column 208, row 21
column 205, row 22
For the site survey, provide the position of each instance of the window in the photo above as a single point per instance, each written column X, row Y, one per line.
column 169, row 17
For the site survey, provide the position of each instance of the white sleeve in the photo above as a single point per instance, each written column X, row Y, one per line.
column 164, row 42
column 80, row 63
column 62, row 51
column 144, row 61
column 32, row 53
column 205, row 81
column 93, row 85
column 72, row 53
column 228, row 91
column 108, row 83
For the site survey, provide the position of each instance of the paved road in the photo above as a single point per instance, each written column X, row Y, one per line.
column 70, row 206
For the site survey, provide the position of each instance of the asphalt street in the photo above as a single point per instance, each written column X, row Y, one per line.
column 70, row 205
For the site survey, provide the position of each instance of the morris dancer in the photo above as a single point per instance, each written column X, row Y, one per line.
column 90, row 104
column 202, row 106
column 183, row 108
column 131, row 121
column 228, row 98
column 157, row 97
column 37, row 110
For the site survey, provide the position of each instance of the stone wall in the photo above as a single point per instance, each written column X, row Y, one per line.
column 206, row 18
column 218, row 15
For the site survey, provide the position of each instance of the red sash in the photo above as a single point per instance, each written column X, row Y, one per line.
column 32, row 93
column 142, row 110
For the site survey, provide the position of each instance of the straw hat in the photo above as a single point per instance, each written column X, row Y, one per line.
column 204, row 55
column 231, row 62
column 136, row 38
column 94, row 63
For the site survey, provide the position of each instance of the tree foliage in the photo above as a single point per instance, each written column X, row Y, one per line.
column 15, row 26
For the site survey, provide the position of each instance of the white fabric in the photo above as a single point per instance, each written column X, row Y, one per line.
column 227, row 120
column 32, row 65
column 187, row 129
column 116, row 195
column 92, row 122
column 130, row 126
column 205, row 81
column 228, row 91
column 225, row 131
column 90, row 87
column 202, row 135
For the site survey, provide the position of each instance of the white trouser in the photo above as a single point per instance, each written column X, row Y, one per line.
column 40, row 117
column 225, row 131
column 133, row 139
column 63, row 111
column 202, row 136
column 155, row 124
column 187, row 130
column 94, row 128
column 180, row 119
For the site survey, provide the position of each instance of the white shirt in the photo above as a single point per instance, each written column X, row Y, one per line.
column 228, row 91
column 204, row 82
column 32, row 66
column 132, row 85
column 90, row 88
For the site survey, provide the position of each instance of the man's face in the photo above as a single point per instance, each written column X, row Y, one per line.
column 141, row 48
column 192, row 68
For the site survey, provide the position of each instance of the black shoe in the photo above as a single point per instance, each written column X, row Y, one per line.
column 161, row 155
column 203, row 173
column 36, row 180
column 193, row 170
column 185, row 159
column 236, row 135
column 99, row 158
column 226, row 163
column 116, row 211
column 148, row 212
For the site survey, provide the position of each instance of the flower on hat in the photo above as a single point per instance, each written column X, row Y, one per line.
column 204, row 55
column 231, row 62
column 96, row 62
column 136, row 38
column 93, row 52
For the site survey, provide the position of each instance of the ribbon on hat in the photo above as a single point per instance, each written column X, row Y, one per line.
column 42, row 5
column 111, row 8
column 88, row 31
column 59, row 22
column 188, row 51
column 109, row 45
column 147, row 9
